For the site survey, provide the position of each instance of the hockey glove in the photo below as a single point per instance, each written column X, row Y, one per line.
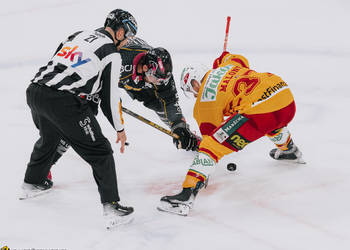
column 187, row 140
column 218, row 60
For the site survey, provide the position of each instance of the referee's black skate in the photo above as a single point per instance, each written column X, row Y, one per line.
column 116, row 214
column 33, row 190
column 180, row 203
column 292, row 153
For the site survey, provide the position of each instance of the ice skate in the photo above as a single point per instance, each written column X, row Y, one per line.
column 181, row 203
column 33, row 190
column 291, row 154
column 116, row 215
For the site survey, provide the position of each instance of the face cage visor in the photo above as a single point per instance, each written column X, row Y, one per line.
column 130, row 28
column 156, row 80
column 156, row 73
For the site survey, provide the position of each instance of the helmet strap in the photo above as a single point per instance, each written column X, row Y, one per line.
column 118, row 41
column 116, row 38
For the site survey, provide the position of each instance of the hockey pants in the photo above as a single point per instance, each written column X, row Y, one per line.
column 240, row 130
column 57, row 115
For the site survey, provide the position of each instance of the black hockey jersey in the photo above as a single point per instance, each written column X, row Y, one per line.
column 87, row 65
column 163, row 99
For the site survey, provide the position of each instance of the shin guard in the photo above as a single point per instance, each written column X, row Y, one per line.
column 200, row 170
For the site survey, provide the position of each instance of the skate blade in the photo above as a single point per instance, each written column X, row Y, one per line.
column 28, row 195
column 113, row 222
column 298, row 160
column 180, row 209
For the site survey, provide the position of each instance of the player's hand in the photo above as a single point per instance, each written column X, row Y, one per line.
column 121, row 137
column 187, row 140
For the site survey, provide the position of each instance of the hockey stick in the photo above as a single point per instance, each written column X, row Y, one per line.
column 230, row 166
column 152, row 124
column 228, row 20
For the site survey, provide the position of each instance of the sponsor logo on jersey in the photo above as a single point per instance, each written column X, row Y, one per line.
column 126, row 68
column 73, row 55
column 229, row 127
column 211, row 85
column 85, row 124
column 220, row 135
column 270, row 92
column 237, row 141
column 199, row 161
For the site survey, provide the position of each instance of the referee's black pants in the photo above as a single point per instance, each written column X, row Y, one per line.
column 57, row 115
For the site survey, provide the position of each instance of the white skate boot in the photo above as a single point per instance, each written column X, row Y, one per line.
column 292, row 154
column 116, row 215
column 33, row 190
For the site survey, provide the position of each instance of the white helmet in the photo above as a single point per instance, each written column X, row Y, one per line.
column 190, row 73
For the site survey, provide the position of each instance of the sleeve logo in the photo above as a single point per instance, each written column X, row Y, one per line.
column 211, row 85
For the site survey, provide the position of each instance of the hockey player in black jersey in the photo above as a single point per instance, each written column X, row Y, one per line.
column 146, row 75
column 84, row 70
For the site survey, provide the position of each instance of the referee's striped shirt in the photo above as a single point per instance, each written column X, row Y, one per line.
column 87, row 64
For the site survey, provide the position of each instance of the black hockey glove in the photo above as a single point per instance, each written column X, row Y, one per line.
column 187, row 140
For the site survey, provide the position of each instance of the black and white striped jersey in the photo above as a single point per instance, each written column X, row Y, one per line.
column 87, row 64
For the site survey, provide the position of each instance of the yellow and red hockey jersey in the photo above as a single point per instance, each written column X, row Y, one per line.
column 231, row 87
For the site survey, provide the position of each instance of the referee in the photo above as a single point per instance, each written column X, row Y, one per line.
column 63, row 98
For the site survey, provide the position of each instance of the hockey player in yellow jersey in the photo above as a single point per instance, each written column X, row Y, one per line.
column 235, row 106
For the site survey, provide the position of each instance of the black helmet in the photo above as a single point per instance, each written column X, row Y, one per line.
column 121, row 18
column 159, row 64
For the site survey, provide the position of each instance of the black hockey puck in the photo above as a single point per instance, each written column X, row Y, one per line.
column 231, row 167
